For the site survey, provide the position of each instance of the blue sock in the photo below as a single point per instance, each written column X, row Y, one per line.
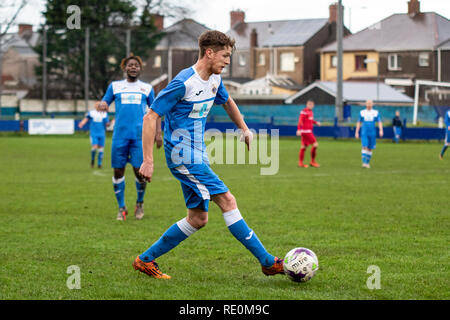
column 140, row 189
column 443, row 150
column 369, row 156
column 239, row 229
column 100, row 156
column 364, row 156
column 169, row 240
column 119, row 190
column 93, row 153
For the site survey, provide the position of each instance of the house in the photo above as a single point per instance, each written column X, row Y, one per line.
column 19, row 59
column 282, row 48
column 397, row 50
column 177, row 50
column 354, row 93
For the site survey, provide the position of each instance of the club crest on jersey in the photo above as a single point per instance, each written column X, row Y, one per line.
column 214, row 89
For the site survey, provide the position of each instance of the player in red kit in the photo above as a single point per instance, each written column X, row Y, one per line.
column 305, row 130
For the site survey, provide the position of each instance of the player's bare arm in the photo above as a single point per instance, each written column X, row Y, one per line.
column 358, row 126
column 82, row 123
column 158, row 136
column 149, row 128
column 235, row 115
column 380, row 127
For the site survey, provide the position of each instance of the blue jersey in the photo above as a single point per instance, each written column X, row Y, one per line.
column 185, row 103
column 131, row 100
column 368, row 119
column 97, row 122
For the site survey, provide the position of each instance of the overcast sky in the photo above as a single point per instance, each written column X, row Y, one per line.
column 358, row 14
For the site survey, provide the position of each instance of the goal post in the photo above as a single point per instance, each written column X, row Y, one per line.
column 438, row 94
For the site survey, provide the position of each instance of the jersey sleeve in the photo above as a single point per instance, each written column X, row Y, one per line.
column 447, row 118
column 168, row 97
column 88, row 115
column 301, row 119
column 222, row 94
column 378, row 118
column 360, row 118
column 109, row 95
column 151, row 97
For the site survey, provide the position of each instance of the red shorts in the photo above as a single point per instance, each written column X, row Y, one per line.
column 308, row 138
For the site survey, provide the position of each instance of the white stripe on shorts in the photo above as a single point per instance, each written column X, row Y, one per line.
column 201, row 187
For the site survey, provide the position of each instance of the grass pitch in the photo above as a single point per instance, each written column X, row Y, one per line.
column 56, row 212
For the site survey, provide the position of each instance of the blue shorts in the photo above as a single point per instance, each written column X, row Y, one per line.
column 126, row 150
column 98, row 140
column 198, row 183
column 369, row 141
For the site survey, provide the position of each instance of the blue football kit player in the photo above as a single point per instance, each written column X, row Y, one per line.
column 447, row 135
column 131, row 97
column 185, row 104
column 98, row 121
column 368, row 118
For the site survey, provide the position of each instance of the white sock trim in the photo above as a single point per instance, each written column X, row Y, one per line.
column 231, row 217
column 117, row 181
column 186, row 227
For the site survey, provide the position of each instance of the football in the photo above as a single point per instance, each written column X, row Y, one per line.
column 300, row 264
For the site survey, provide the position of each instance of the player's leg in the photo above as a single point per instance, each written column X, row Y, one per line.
column 141, row 185
column 240, row 230
column 364, row 150
column 372, row 142
column 446, row 144
column 196, row 218
column 100, row 149
column 93, row 150
column 315, row 145
column 136, row 159
column 301, row 155
column 119, row 158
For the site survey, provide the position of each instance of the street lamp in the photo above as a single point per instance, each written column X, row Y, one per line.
column 378, row 75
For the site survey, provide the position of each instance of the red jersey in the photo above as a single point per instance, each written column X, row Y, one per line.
column 306, row 121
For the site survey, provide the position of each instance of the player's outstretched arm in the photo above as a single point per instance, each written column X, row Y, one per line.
column 380, row 127
column 82, row 123
column 149, row 127
column 358, row 126
column 235, row 115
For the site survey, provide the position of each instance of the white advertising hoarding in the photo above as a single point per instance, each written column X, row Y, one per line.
column 51, row 126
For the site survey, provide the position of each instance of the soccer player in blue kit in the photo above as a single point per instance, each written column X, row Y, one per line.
column 447, row 135
column 98, row 121
column 131, row 97
column 367, row 120
column 185, row 103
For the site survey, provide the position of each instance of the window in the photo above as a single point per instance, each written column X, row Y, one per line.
column 261, row 59
column 333, row 61
column 360, row 64
column 424, row 59
column 242, row 60
column 394, row 62
column 287, row 61
column 157, row 62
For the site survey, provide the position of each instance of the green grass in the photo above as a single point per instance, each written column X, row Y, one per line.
column 55, row 211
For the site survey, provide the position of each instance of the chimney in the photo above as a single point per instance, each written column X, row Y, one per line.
column 333, row 13
column 413, row 8
column 236, row 17
column 25, row 28
column 158, row 21
column 253, row 38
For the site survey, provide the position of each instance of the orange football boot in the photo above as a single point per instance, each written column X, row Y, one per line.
column 149, row 268
column 276, row 268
